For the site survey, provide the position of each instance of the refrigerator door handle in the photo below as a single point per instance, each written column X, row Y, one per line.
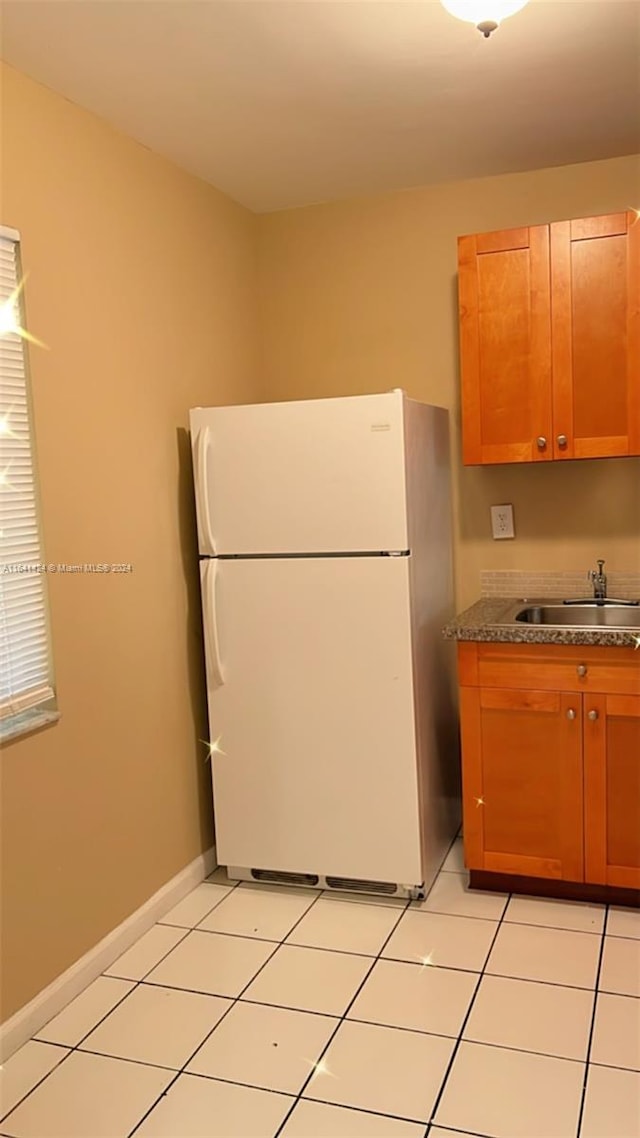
column 203, row 514
column 212, row 644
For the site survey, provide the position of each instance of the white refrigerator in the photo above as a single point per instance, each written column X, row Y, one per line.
column 325, row 557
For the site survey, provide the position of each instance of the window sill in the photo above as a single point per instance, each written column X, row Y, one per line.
column 25, row 722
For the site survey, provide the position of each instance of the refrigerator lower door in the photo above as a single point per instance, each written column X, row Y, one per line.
column 311, row 699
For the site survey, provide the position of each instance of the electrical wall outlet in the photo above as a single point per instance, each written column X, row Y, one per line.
column 502, row 522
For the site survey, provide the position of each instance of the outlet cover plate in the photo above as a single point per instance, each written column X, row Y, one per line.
column 502, row 522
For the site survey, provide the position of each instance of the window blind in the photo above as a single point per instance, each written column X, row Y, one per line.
column 25, row 663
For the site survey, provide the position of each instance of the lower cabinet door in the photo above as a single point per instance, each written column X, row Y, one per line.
column 612, row 789
column 523, row 782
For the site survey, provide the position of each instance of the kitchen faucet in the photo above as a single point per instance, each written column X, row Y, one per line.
column 599, row 580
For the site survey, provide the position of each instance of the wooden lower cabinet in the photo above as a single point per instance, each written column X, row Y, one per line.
column 522, row 782
column 612, row 789
column 551, row 779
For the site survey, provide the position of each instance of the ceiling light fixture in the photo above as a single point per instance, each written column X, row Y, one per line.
column 485, row 14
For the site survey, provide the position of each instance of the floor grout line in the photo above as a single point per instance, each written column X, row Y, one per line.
column 175, row 925
column 74, row 1046
column 389, row 960
column 456, row 1047
column 138, row 979
column 452, row 1130
column 271, row 940
column 15, row 1106
column 583, row 1096
column 341, row 1020
column 306, row 1012
column 349, row 951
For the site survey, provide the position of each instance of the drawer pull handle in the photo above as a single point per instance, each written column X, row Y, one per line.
column 582, row 669
column 562, row 441
column 592, row 715
column 541, row 442
column 571, row 713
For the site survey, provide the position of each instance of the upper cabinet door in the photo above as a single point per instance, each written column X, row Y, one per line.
column 505, row 342
column 595, row 291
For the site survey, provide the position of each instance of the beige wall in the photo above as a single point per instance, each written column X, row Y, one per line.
column 141, row 281
column 360, row 296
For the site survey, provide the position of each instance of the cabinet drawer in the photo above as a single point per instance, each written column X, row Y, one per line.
column 550, row 667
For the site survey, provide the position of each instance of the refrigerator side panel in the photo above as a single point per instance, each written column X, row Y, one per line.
column 313, row 476
column 432, row 605
column 315, row 718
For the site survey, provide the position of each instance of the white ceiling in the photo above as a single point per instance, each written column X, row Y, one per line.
column 285, row 102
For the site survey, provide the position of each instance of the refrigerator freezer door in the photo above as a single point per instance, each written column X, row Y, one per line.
column 316, row 718
column 317, row 476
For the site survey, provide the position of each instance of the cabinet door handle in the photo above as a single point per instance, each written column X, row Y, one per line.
column 592, row 715
column 582, row 669
column 571, row 713
column 562, row 440
column 541, row 442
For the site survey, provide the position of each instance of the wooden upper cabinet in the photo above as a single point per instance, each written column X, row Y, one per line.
column 505, row 346
column 612, row 789
column 550, row 341
column 595, row 314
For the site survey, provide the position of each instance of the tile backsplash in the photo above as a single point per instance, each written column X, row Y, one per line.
column 537, row 583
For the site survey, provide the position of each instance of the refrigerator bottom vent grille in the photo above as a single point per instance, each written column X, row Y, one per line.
column 355, row 883
column 285, row 878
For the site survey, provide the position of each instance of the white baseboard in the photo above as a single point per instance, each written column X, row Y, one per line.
column 31, row 1018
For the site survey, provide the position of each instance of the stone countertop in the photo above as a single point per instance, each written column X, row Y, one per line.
column 482, row 622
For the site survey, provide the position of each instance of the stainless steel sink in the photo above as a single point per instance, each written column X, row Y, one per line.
column 578, row 616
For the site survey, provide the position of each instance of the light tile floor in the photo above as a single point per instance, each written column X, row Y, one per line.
column 255, row 1012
